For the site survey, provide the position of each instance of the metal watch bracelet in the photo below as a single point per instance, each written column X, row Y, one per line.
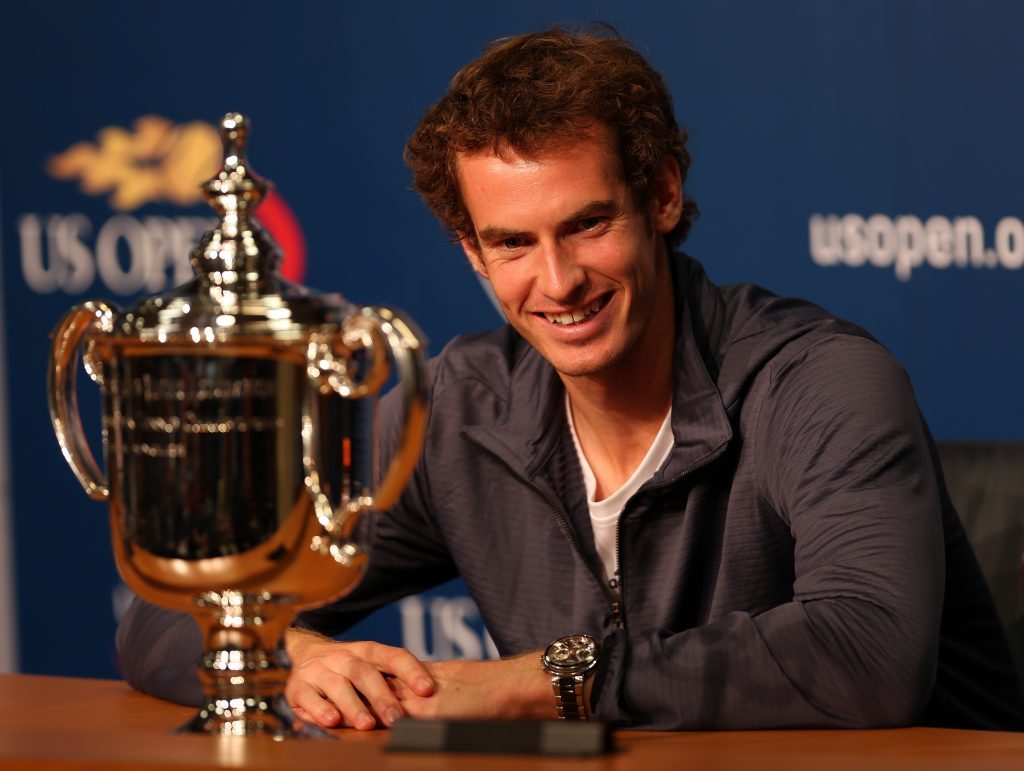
column 568, row 660
column 568, row 693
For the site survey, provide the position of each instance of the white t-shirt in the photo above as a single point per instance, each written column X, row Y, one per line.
column 604, row 514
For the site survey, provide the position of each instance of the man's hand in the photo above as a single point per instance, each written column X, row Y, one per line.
column 351, row 684
column 515, row 688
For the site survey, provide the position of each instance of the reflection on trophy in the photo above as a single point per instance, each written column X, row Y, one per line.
column 238, row 423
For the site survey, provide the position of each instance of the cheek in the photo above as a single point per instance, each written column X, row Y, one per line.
column 632, row 266
column 509, row 287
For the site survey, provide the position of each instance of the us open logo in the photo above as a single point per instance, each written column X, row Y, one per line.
column 907, row 243
column 156, row 163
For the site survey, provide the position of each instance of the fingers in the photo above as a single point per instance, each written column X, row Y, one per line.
column 325, row 688
column 402, row 665
column 309, row 704
column 344, row 684
column 402, row 691
column 362, row 695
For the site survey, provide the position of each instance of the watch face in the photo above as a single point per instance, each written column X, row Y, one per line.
column 571, row 655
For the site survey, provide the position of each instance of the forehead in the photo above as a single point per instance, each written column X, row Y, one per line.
column 508, row 184
column 596, row 138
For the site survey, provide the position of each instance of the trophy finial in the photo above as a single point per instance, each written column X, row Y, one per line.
column 234, row 129
column 236, row 187
column 237, row 248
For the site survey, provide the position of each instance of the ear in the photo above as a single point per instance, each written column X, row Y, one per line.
column 667, row 202
column 472, row 250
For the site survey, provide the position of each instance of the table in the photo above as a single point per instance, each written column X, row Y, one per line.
column 70, row 723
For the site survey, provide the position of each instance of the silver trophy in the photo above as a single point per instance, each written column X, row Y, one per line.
column 238, row 425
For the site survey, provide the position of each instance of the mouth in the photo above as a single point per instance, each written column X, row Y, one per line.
column 578, row 315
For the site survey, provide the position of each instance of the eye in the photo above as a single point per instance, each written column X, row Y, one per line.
column 590, row 224
column 512, row 243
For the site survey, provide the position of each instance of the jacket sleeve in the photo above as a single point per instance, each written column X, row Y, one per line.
column 159, row 650
column 842, row 456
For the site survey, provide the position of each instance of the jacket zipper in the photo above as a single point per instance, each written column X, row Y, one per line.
column 616, row 597
column 613, row 598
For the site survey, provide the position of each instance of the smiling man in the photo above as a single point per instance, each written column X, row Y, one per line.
column 677, row 505
column 580, row 268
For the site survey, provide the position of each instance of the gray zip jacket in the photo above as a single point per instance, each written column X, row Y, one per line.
column 796, row 560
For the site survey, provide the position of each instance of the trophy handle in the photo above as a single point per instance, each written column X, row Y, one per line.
column 377, row 330
column 63, row 397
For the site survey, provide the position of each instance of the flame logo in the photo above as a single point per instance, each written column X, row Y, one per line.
column 160, row 162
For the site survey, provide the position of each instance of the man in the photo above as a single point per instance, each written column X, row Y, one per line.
column 732, row 495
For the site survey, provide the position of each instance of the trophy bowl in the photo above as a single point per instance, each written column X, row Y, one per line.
column 238, row 426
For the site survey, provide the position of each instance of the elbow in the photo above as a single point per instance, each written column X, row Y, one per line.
column 882, row 664
column 897, row 710
column 894, row 693
column 158, row 651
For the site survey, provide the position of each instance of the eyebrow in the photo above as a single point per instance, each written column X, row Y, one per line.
column 493, row 234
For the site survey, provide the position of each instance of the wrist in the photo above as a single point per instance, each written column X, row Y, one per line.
column 297, row 639
column 570, row 663
column 527, row 695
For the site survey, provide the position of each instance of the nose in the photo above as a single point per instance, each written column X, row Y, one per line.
column 561, row 278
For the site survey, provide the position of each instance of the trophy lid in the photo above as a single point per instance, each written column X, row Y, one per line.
column 237, row 293
column 237, row 252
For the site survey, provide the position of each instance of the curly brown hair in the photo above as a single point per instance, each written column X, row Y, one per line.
column 532, row 92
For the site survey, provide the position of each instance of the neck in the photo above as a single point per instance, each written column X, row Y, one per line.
column 641, row 396
column 617, row 413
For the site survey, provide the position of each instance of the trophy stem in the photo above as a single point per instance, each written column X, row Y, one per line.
column 244, row 667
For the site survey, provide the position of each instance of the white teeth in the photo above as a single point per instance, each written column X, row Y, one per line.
column 573, row 317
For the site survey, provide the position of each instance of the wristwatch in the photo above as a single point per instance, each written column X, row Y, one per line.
column 568, row 660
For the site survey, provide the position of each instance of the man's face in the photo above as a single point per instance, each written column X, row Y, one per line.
column 579, row 269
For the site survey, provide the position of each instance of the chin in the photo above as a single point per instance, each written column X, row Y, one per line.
column 590, row 366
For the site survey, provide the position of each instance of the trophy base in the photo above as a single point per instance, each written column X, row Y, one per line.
column 249, row 717
column 245, row 667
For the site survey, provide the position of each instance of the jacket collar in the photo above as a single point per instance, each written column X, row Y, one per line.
column 700, row 422
column 527, row 432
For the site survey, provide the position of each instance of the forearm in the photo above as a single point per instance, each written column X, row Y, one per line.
column 296, row 638
column 832, row 663
column 513, row 688
column 525, row 690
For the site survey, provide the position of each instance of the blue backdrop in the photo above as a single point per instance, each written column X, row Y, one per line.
column 867, row 156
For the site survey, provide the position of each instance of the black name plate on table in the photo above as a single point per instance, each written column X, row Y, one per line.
column 532, row 737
